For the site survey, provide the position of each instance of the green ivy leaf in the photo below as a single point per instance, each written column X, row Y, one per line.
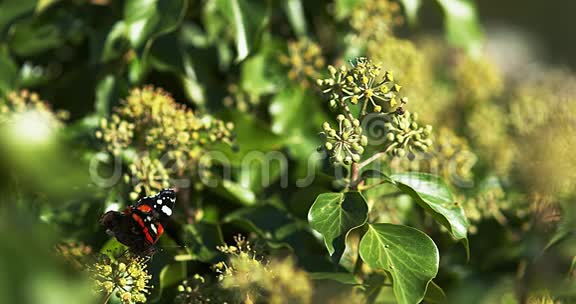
column 201, row 240
column 435, row 294
column 334, row 214
column 12, row 10
column 172, row 274
column 462, row 26
column 115, row 42
column 407, row 254
column 285, row 109
column 9, row 74
column 278, row 227
column 147, row 19
column 296, row 17
column 252, row 135
column 107, row 92
column 31, row 37
column 247, row 19
column 235, row 192
column 431, row 193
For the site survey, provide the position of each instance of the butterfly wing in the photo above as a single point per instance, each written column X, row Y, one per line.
column 139, row 227
column 127, row 231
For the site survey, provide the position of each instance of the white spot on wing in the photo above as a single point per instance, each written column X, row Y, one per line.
column 153, row 227
column 159, row 201
column 167, row 210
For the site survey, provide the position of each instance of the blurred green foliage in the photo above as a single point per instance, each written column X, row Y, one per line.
column 503, row 146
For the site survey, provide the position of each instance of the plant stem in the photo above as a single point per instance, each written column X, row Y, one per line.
column 355, row 171
column 347, row 109
column 107, row 298
column 371, row 159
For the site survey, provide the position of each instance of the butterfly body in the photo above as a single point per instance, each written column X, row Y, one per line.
column 140, row 226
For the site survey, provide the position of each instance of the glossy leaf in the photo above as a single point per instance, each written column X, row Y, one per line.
column 407, row 254
column 296, row 17
column 247, row 19
column 334, row 214
column 235, row 192
column 113, row 44
column 147, row 19
column 430, row 192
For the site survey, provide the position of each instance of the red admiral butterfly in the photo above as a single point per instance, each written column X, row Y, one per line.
column 140, row 226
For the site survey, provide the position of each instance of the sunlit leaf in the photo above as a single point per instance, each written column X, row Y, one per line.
column 147, row 19
column 407, row 254
column 431, row 193
column 334, row 214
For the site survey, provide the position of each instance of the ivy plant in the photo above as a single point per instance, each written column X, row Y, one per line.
column 365, row 97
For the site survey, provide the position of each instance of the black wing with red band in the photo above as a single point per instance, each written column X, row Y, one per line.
column 140, row 226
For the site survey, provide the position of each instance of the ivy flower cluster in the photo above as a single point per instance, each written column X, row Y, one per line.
column 149, row 174
column 489, row 203
column 450, row 157
column 256, row 279
column 404, row 135
column 74, row 253
column 240, row 99
column 19, row 103
column 304, row 59
column 197, row 291
column 364, row 84
column 127, row 278
column 346, row 143
column 150, row 123
column 477, row 79
column 375, row 20
column 368, row 90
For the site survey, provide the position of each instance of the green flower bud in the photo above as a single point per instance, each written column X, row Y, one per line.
column 364, row 140
column 328, row 146
column 348, row 160
column 347, row 123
